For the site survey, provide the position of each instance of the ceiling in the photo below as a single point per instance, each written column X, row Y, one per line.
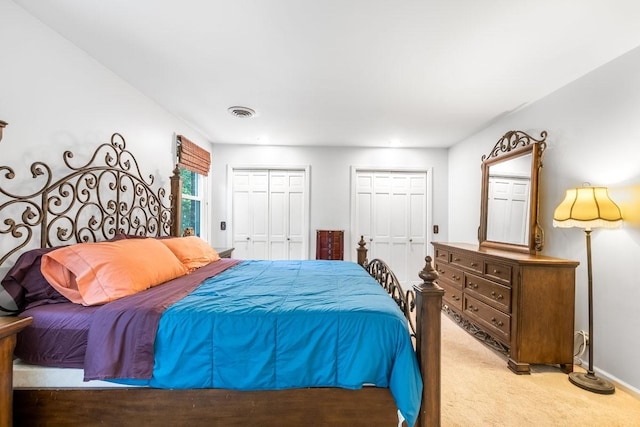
column 408, row 73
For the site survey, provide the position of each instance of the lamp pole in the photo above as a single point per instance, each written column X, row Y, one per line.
column 590, row 381
column 587, row 232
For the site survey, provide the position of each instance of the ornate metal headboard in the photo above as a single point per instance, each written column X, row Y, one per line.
column 92, row 202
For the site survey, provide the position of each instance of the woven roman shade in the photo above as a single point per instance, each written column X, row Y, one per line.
column 193, row 157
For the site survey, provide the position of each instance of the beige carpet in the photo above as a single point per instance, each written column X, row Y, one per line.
column 479, row 390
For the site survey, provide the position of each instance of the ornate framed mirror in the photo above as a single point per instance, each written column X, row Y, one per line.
column 509, row 199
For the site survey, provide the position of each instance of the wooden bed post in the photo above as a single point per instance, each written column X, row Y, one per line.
column 176, row 202
column 428, row 329
column 362, row 252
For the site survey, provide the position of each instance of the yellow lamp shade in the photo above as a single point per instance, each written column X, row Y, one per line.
column 587, row 207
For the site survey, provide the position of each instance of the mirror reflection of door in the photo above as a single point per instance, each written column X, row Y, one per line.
column 509, row 201
column 508, row 207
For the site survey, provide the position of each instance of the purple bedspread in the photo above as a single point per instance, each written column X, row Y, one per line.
column 115, row 340
column 57, row 336
column 122, row 333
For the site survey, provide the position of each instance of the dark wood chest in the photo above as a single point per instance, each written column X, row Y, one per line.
column 330, row 244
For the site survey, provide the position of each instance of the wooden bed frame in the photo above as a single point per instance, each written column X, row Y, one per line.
column 108, row 195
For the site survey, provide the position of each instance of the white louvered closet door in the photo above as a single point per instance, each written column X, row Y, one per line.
column 250, row 220
column 391, row 212
column 270, row 214
column 286, row 214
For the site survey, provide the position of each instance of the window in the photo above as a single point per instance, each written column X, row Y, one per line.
column 193, row 203
column 194, row 163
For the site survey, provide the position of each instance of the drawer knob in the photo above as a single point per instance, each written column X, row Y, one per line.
column 497, row 296
column 455, row 277
column 474, row 264
column 496, row 271
column 473, row 308
column 473, row 285
column 496, row 322
column 456, row 259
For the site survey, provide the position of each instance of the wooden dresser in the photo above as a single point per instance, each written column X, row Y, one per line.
column 520, row 304
column 330, row 244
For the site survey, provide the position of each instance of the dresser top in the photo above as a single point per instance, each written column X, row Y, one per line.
column 520, row 257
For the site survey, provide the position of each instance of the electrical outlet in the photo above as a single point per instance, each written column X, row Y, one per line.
column 436, row 229
column 223, row 225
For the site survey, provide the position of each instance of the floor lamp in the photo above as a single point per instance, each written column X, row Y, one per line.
column 588, row 208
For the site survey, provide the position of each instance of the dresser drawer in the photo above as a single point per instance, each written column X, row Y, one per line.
column 492, row 293
column 450, row 275
column 442, row 256
column 466, row 261
column 452, row 295
column 493, row 320
column 497, row 271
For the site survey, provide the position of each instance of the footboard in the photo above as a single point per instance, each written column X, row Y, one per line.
column 406, row 300
column 426, row 300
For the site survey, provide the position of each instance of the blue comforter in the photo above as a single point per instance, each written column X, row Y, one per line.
column 274, row 325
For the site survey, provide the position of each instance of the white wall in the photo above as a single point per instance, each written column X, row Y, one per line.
column 55, row 97
column 330, row 181
column 594, row 136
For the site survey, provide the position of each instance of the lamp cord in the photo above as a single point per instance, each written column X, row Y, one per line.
column 582, row 346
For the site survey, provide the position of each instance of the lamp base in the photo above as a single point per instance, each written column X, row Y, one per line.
column 590, row 382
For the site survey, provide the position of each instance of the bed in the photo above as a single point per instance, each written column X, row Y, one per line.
column 108, row 200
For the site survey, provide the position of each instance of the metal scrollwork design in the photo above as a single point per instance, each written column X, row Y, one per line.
column 514, row 139
column 95, row 201
column 406, row 300
column 475, row 330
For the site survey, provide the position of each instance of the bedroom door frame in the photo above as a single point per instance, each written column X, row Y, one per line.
column 428, row 208
column 305, row 169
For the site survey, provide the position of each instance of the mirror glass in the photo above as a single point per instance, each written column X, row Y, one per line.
column 508, row 215
column 509, row 201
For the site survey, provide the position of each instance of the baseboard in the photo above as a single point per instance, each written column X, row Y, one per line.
column 615, row 380
column 620, row 384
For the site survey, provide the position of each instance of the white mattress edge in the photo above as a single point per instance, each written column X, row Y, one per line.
column 31, row 376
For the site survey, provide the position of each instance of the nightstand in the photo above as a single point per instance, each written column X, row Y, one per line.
column 9, row 327
column 224, row 252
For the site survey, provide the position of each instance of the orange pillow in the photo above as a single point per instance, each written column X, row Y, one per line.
column 96, row 273
column 192, row 251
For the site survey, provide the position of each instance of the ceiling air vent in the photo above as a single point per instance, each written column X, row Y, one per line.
column 242, row 112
